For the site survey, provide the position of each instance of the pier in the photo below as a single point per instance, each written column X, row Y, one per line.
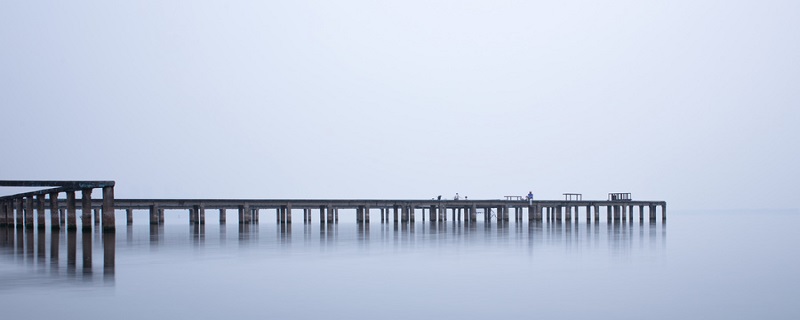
column 19, row 210
column 29, row 204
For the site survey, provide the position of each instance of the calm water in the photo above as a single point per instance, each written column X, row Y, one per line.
column 708, row 265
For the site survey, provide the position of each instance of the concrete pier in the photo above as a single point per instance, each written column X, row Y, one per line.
column 25, row 207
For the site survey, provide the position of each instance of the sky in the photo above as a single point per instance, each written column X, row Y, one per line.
column 692, row 102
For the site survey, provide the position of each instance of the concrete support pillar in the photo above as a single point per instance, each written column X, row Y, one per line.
column 20, row 204
column 608, row 212
column 641, row 213
column 568, row 213
column 359, row 214
column 29, row 212
column 396, row 213
column 201, row 214
column 63, row 214
column 322, row 215
column 473, row 213
column 664, row 211
column 72, row 221
column 596, row 213
column 223, row 216
column 86, row 209
column 366, row 214
column 109, row 223
column 129, row 216
column 333, row 214
column 154, row 219
column 96, row 216
column 289, row 213
column 652, row 213
column 55, row 222
column 193, row 215
column 432, row 213
column 12, row 205
column 588, row 213
column 10, row 213
column 4, row 212
column 161, row 216
column 40, row 211
column 245, row 215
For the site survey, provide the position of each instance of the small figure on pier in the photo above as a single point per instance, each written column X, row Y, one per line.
column 440, row 197
column 530, row 197
column 456, row 197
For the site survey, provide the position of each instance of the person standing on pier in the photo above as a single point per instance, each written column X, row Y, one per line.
column 456, row 197
column 530, row 198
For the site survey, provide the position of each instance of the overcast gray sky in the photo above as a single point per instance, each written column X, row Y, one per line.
column 694, row 102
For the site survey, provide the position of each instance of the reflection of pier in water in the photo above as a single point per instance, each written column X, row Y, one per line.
column 617, row 237
column 56, row 254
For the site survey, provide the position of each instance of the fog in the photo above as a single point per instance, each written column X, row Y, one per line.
column 692, row 102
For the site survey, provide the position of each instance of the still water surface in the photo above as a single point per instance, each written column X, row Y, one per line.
column 696, row 266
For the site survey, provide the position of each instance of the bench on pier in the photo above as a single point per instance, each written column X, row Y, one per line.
column 573, row 196
column 511, row 198
column 619, row 196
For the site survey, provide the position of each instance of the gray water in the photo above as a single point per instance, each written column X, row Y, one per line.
column 695, row 266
